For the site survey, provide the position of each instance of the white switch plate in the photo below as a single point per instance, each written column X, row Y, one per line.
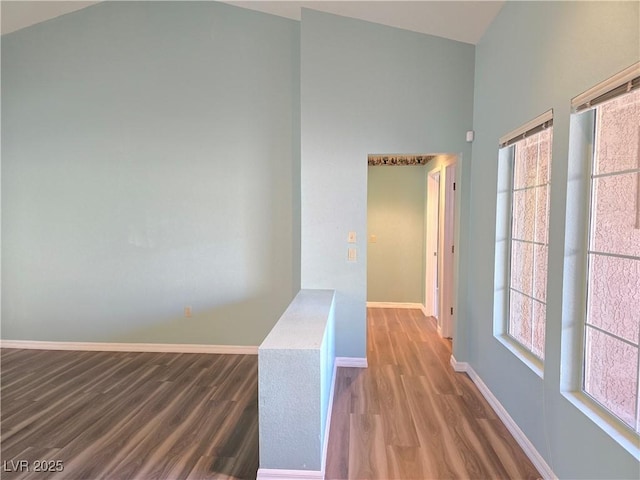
column 352, row 237
column 351, row 255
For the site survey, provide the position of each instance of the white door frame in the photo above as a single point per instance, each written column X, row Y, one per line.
column 432, row 244
column 445, row 226
column 448, row 252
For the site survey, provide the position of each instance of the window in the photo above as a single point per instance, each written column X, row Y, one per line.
column 529, row 237
column 601, row 274
column 612, row 320
column 525, row 168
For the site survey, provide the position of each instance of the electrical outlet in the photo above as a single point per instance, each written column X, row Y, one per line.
column 187, row 311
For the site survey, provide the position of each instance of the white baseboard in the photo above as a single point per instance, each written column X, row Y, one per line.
column 274, row 473
column 529, row 449
column 424, row 311
column 418, row 306
column 327, row 425
column 130, row 347
column 353, row 362
column 458, row 366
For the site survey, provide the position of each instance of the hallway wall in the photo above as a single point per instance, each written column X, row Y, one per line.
column 537, row 56
column 396, row 199
column 367, row 88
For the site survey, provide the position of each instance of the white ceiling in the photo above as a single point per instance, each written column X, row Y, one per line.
column 17, row 15
column 465, row 21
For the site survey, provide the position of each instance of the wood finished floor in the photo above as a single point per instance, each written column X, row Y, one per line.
column 410, row 416
column 109, row 415
column 114, row 416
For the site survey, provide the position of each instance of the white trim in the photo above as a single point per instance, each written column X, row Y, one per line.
column 458, row 366
column 424, row 311
column 327, row 426
column 539, row 120
column 529, row 449
column 130, row 347
column 276, row 473
column 394, row 305
column 447, row 273
column 352, row 362
column 432, row 240
column 609, row 84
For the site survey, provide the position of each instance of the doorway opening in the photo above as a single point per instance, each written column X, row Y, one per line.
column 411, row 230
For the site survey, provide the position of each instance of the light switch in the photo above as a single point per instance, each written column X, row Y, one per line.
column 351, row 255
column 352, row 237
column 373, row 238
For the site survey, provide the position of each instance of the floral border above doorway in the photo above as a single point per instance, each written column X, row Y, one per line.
column 376, row 160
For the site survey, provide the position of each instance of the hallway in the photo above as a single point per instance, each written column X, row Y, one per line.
column 410, row 416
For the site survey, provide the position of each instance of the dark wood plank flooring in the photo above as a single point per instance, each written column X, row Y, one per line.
column 110, row 415
column 410, row 416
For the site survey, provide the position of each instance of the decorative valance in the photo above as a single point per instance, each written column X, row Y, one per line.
column 377, row 160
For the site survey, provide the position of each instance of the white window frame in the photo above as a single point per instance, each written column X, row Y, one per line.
column 575, row 271
column 502, row 279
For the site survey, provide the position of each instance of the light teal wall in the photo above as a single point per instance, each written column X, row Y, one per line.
column 537, row 56
column 367, row 88
column 150, row 160
column 396, row 199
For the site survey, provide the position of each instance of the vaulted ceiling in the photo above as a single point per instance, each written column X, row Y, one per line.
column 465, row 21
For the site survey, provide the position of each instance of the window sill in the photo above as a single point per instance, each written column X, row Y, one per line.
column 530, row 360
column 623, row 435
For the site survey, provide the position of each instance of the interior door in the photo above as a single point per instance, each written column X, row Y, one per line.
column 448, row 252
